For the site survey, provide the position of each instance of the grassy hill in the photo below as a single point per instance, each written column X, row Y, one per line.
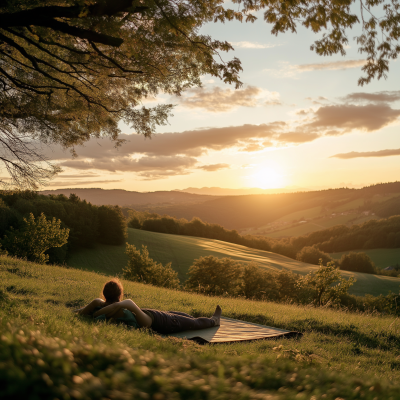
column 46, row 352
column 183, row 250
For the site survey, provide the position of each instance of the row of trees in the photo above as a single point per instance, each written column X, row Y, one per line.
column 356, row 262
column 226, row 277
column 196, row 227
column 87, row 224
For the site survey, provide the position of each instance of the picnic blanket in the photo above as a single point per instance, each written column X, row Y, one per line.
column 233, row 330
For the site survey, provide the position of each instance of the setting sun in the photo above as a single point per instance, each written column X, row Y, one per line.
column 267, row 178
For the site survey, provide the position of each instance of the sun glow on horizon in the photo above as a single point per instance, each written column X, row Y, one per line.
column 267, row 178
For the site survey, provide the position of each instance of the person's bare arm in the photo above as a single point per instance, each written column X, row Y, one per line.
column 143, row 319
column 90, row 307
column 109, row 311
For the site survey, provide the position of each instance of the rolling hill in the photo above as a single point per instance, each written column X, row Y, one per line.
column 182, row 250
column 277, row 215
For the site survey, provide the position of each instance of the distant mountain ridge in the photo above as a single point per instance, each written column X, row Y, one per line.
column 217, row 191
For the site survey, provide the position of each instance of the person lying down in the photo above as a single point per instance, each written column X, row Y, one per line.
column 113, row 308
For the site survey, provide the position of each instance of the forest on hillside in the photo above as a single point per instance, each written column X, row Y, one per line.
column 88, row 224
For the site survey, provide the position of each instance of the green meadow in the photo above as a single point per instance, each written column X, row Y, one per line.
column 47, row 352
column 183, row 250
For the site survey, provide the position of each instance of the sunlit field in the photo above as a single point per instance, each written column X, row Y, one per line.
column 317, row 218
column 346, row 355
column 183, row 250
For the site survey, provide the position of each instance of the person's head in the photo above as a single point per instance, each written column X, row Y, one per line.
column 113, row 291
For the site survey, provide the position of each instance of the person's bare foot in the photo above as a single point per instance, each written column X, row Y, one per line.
column 217, row 316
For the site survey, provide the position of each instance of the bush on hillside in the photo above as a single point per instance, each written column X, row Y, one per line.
column 215, row 276
column 134, row 223
column 285, row 249
column 389, row 304
column 357, row 262
column 35, row 237
column 311, row 255
column 224, row 276
column 141, row 268
column 258, row 283
column 324, row 286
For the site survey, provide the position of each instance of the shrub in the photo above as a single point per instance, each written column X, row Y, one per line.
column 258, row 283
column 215, row 276
column 35, row 237
column 311, row 255
column 287, row 286
column 357, row 262
column 324, row 286
column 134, row 223
column 142, row 268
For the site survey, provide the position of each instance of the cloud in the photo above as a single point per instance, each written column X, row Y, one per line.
column 177, row 153
column 347, row 117
column 377, row 97
column 379, row 153
column 298, row 137
column 218, row 100
column 253, row 45
column 214, row 167
column 193, row 143
column 333, row 65
column 221, row 100
column 79, row 183
column 273, row 102
column 89, row 175
column 287, row 70
column 147, row 166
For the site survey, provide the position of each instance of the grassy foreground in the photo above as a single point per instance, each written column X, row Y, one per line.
column 183, row 250
column 46, row 352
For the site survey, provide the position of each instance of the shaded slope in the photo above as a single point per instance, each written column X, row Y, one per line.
column 183, row 250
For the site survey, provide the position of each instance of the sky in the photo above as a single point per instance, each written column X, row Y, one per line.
column 299, row 121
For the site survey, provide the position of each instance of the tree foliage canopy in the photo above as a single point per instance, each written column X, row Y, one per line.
column 35, row 237
column 72, row 69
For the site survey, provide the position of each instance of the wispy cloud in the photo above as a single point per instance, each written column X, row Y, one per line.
column 334, row 65
column 293, row 70
column 80, row 183
column 378, row 153
column 148, row 167
column 214, row 167
column 377, row 97
column 254, row 45
column 218, row 100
